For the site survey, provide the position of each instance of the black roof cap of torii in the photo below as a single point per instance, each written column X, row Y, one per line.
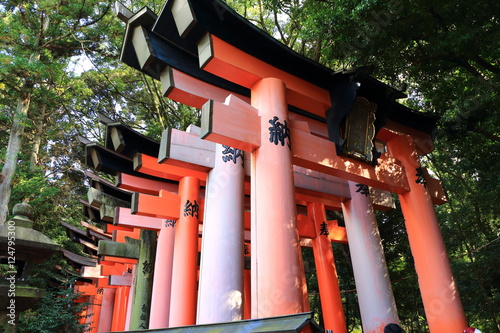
column 131, row 141
column 219, row 19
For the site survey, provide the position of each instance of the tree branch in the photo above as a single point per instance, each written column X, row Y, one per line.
column 486, row 65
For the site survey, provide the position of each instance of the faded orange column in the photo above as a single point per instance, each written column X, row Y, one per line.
column 375, row 297
column 120, row 309
column 185, row 261
column 442, row 304
column 331, row 301
column 276, row 272
column 160, row 298
column 107, row 309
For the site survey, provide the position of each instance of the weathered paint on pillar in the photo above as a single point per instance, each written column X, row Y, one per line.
column 120, row 309
column 276, row 272
column 160, row 299
column 331, row 301
column 185, row 262
column 144, row 281
column 107, row 309
column 220, row 297
column 376, row 300
column 442, row 304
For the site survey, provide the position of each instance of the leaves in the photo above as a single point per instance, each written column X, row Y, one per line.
column 55, row 312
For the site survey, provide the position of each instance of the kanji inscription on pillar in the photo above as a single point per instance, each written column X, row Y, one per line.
column 170, row 223
column 147, row 267
column 144, row 316
column 324, row 229
column 279, row 133
column 420, row 177
column 191, row 208
column 363, row 189
column 231, row 154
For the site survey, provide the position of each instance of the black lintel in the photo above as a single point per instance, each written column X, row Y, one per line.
column 111, row 162
column 219, row 19
column 112, row 190
column 134, row 142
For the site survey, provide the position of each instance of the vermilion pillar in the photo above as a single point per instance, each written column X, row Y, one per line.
column 376, row 300
column 185, row 262
column 443, row 307
column 247, row 295
column 220, row 295
column 275, row 259
column 107, row 309
column 160, row 298
column 331, row 301
column 120, row 309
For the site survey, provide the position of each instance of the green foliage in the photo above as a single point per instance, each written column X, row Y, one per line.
column 58, row 311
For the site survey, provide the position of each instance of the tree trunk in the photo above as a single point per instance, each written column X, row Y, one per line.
column 37, row 138
column 13, row 148
column 17, row 130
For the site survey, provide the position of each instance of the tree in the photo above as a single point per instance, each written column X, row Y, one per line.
column 58, row 311
column 38, row 38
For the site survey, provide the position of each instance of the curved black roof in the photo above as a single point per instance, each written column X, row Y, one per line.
column 219, row 19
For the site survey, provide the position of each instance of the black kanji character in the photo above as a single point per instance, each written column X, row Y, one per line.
column 324, row 229
column 279, row 132
column 420, row 177
column 231, row 154
column 363, row 189
column 191, row 208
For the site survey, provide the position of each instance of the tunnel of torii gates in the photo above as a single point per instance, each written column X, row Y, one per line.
column 207, row 226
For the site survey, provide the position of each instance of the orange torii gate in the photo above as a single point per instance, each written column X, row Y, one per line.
column 177, row 139
column 286, row 110
column 173, row 142
column 177, row 89
column 106, row 294
column 153, row 187
column 181, row 148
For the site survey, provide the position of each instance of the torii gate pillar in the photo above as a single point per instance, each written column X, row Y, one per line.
column 276, row 272
column 376, row 300
column 185, row 260
column 160, row 298
column 220, row 296
column 95, row 308
column 331, row 300
column 108, row 301
column 442, row 304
